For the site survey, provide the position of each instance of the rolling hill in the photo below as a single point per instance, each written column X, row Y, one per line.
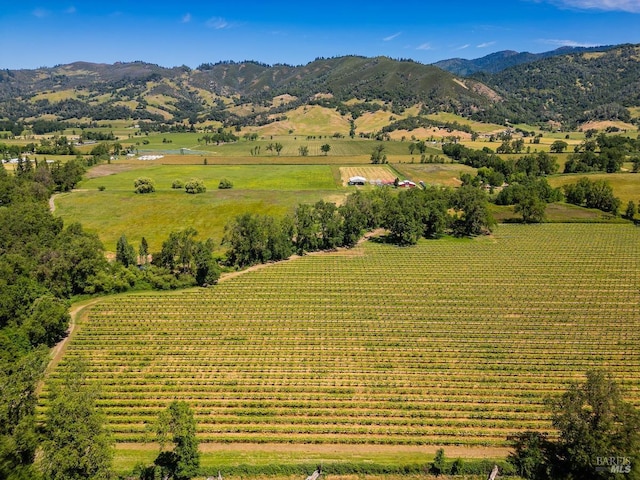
column 499, row 61
column 563, row 89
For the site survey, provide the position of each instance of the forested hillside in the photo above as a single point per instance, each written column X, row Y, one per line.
column 499, row 61
column 571, row 89
column 565, row 89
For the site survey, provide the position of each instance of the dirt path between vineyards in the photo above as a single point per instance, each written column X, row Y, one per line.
column 330, row 449
column 57, row 351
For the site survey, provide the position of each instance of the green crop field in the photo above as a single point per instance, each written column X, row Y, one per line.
column 450, row 342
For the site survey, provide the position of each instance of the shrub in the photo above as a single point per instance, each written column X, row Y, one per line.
column 195, row 185
column 177, row 184
column 144, row 185
column 225, row 183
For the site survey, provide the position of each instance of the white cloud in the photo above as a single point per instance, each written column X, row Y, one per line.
column 186, row 18
column 424, row 46
column 391, row 37
column 485, row 44
column 566, row 43
column 463, row 47
column 217, row 23
column 71, row 10
column 40, row 13
column 631, row 6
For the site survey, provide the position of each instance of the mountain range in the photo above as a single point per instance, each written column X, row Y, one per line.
column 499, row 61
column 565, row 86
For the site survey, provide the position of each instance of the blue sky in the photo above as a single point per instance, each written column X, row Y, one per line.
column 46, row 33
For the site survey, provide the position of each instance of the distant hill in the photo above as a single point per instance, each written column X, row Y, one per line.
column 499, row 61
column 140, row 90
column 570, row 89
column 586, row 84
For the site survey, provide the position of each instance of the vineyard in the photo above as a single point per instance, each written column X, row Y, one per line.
column 448, row 342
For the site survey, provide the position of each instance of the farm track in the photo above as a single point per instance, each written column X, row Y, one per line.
column 451, row 342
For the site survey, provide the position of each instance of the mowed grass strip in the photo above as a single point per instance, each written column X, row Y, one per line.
column 450, row 342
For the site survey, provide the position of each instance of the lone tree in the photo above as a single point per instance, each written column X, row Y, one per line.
column 438, row 466
column 183, row 462
column 378, row 156
column 325, row 149
column 531, row 208
column 594, row 426
column 195, row 185
column 144, row 185
column 631, row 210
column 125, row 253
column 558, row 146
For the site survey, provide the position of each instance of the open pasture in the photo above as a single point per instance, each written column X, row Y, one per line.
column 450, row 342
column 263, row 189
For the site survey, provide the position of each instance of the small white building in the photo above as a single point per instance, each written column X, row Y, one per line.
column 357, row 180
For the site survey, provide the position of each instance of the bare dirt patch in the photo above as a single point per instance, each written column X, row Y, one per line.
column 602, row 125
column 108, row 169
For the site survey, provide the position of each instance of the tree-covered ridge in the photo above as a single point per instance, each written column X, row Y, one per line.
column 565, row 88
column 499, row 61
column 572, row 88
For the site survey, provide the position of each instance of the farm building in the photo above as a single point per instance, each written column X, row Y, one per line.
column 406, row 184
column 357, row 180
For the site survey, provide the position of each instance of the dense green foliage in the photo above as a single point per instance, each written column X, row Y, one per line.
column 606, row 153
column 408, row 216
column 76, row 445
column 195, row 185
column 593, row 194
column 144, row 185
column 177, row 425
column 499, row 61
column 568, row 89
column 598, row 431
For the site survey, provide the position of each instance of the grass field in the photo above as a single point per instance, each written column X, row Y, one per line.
column 450, row 342
column 264, row 189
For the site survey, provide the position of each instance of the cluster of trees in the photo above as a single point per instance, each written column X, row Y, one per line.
column 221, row 136
column 42, row 265
column 536, row 164
column 408, row 216
column 593, row 194
column 527, row 188
column 183, row 261
column 378, row 155
column 606, row 153
column 598, row 436
column 97, row 136
column 413, row 122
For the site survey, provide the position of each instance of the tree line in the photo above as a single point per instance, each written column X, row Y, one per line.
column 526, row 186
column 408, row 216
